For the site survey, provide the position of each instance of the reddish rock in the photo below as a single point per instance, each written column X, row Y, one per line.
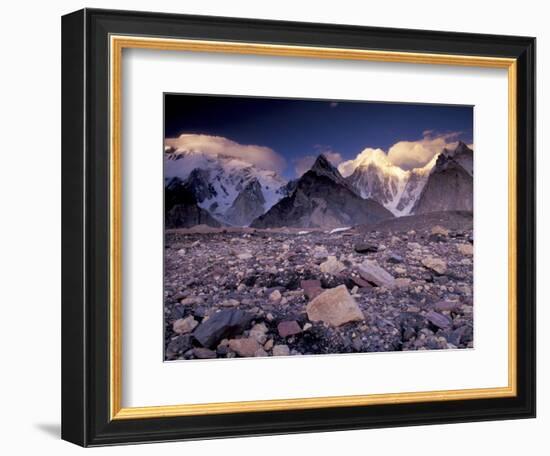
column 246, row 347
column 288, row 328
column 312, row 288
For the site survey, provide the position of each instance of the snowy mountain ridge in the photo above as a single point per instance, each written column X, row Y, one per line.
column 217, row 180
column 374, row 176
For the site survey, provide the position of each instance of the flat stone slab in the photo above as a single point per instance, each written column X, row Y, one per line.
column 372, row 272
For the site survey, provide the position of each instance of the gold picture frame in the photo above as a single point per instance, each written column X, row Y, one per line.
column 117, row 46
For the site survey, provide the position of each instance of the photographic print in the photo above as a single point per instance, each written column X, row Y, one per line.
column 311, row 227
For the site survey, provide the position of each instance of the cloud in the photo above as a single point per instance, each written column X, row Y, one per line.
column 414, row 154
column 260, row 156
column 333, row 104
column 304, row 164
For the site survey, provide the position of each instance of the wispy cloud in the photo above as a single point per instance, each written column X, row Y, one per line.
column 404, row 155
column 261, row 156
column 414, row 154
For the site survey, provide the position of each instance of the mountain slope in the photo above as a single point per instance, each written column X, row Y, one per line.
column 181, row 209
column 450, row 185
column 249, row 204
column 322, row 199
column 374, row 176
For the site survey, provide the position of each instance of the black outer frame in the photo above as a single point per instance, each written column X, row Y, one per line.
column 85, row 227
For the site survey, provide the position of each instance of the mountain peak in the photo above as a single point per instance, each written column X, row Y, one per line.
column 323, row 167
column 461, row 148
column 322, row 163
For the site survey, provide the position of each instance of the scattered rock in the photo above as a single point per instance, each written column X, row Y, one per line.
column 230, row 303
column 332, row 266
column 260, row 353
column 371, row 272
column 258, row 332
column 360, row 282
column 465, row 249
column 435, row 264
column 438, row 229
column 225, row 323
column 335, row 307
column 244, row 256
column 177, row 346
column 402, row 282
column 446, row 306
column 288, row 328
column 312, row 288
column 269, row 344
column 320, row 252
column 275, row 296
column 191, row 301
column 203, row 353
column 281, row 350
column 365, row 248
column 394, row 258
column 439, row 320
column 245, row 347
column 210, row 279
column 184, row 325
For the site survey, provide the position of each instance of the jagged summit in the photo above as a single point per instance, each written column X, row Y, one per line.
column 322, row 198
column 323, row 167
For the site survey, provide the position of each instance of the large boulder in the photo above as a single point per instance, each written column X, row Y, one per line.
column 222, row 325
column 335, row 307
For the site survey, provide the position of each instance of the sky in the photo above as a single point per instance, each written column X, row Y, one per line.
column 295, row 131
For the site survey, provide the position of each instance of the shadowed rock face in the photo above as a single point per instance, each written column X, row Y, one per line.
column 181, row 208
column 450, row 186
column 198, row 184
column 322, row 199
column 248, row 205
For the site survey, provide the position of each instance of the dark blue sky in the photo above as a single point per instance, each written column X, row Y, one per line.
column 296, row 127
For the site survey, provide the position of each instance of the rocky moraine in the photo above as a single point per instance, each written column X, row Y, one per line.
column 402, row 284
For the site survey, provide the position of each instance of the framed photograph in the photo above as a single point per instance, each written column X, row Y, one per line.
column 278, row 227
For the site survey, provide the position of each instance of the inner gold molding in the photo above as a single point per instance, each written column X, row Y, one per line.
column 117, row 44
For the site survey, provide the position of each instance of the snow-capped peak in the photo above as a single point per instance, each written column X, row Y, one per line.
column 216, row 175
column 375, row 158
column 373, row 175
